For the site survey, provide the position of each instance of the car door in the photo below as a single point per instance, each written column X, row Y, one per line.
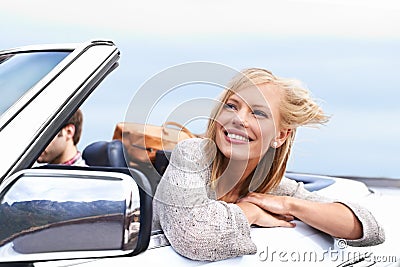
column 41, row 87
column 48, row 83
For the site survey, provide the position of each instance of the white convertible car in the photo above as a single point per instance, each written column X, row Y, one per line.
column 101, row 215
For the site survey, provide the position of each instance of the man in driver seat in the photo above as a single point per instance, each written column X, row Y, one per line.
column 63, row 148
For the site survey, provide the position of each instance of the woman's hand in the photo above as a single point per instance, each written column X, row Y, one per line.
column 257, row 216
column 279, row 205
column 334, row 218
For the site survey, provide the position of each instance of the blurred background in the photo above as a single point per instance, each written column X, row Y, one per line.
column 347, row 52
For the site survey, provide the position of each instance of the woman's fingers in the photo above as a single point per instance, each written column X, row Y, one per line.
column 256, row 198
column 261, row 217
column 287, row 218
column 271, row 220
column 288, row 224
column 274, row 204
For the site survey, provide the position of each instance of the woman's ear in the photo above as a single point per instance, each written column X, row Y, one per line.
column 281, row 137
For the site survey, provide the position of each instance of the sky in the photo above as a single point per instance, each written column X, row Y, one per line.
column 346, row 51
column 348, row 18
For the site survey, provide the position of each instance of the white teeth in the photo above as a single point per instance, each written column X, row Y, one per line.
column 238, row 137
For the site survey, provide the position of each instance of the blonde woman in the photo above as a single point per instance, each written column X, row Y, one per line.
column 215, row 188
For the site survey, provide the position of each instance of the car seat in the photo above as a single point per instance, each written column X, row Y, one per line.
column 111, row 154
column 105, row 153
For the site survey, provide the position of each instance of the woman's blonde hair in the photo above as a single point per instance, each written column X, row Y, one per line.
column 297, row 108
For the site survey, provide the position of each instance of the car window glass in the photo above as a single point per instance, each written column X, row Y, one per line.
column 31, row 66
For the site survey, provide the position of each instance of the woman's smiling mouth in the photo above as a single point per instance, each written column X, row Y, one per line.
column 236, row 137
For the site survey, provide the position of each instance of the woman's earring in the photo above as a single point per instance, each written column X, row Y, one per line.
column 274, row 144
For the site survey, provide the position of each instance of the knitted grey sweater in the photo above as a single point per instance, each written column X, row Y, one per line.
column 200, row 227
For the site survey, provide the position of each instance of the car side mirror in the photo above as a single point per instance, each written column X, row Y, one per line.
column 52, row 214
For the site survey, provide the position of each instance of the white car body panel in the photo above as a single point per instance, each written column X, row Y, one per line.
column 299, row 246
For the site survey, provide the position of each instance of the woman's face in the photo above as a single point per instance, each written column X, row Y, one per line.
column 247, row 124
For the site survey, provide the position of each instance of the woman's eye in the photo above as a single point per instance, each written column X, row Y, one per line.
column 230, row 106
column 260, row 113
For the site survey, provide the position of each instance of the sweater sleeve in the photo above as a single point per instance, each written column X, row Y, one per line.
column 196, row 225
column 373, row 232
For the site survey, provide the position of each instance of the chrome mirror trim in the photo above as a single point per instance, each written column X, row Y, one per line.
column 115, row 225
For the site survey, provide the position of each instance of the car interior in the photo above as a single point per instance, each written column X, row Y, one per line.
column 111, row 154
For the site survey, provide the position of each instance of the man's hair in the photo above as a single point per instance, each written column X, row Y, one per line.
column 76, row 120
